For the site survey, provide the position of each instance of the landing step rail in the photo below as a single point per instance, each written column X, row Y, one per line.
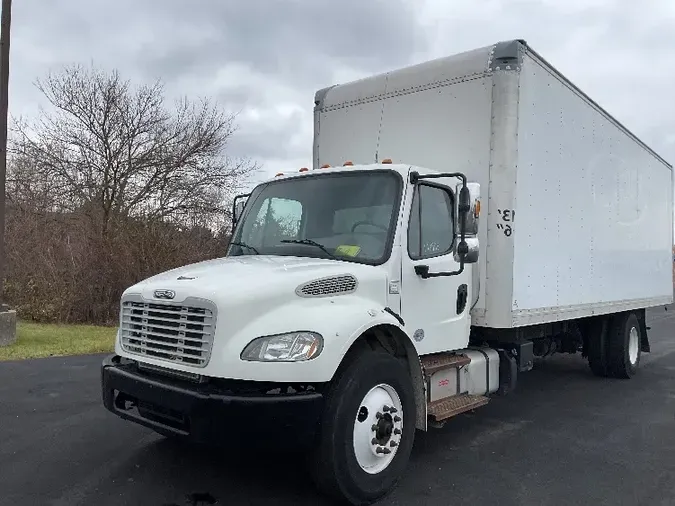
column 443, row 409
column 439, row 361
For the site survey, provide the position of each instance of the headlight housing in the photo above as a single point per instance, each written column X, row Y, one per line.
column 291, row 347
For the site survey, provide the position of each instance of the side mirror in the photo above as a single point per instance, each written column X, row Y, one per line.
column 472, row 251
column 467, row 214
column 473, row 215
column 238, row 208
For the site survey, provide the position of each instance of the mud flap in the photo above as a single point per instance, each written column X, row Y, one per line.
column 644, row 340
column 508, row 372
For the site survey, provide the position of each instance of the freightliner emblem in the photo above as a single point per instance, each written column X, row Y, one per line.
column 164, row 294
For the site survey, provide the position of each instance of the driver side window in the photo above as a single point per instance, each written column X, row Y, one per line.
column 431, row 229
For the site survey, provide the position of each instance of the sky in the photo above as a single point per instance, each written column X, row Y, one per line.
column 264, row 59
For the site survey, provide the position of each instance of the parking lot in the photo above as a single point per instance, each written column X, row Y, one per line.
column 564, row 437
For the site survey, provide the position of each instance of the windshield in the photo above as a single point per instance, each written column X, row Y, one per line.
column 349, row 216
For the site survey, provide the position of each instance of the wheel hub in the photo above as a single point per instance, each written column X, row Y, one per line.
column 384, row 429
column 378, row 428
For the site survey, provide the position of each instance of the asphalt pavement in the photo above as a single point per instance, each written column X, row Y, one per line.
column 563, row 437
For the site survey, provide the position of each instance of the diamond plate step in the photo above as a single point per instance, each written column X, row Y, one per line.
column 443, row 409
column 440, row 361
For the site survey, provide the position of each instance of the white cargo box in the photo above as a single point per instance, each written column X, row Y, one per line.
column 577, row 212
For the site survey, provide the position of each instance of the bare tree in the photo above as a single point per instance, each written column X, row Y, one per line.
column 117, row 151
column 107, row 186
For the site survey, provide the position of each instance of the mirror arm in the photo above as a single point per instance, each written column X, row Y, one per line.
column 423, row 271
column 464, row 207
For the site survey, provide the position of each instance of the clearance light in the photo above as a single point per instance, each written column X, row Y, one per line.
column 278, row 174
column 476, row 212
column 326, row 166
column 347, row 164
column 303, row 169
column 386, row 161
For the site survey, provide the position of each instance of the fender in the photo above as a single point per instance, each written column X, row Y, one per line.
column 391, row 319
column 340, row 320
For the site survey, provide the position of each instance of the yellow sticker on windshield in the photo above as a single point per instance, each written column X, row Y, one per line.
column 347, row 250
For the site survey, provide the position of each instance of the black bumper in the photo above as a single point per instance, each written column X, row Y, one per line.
column 207, row 412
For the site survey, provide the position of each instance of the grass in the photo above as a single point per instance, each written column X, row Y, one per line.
column 35, row 340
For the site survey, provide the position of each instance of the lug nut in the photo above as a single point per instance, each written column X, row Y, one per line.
column 386, row 451
column 393, row 444
column 397, row 418
column 379, row 449
column 373, row 427
column 373, row 441
column 397, row 432
column 393, row 410
column 385, row 408
column 378, row 415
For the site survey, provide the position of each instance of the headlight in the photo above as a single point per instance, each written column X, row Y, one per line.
column 292, row 347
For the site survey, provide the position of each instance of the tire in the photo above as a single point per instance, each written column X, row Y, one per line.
column 344, row 447
column 597, row 346
column 623, row 346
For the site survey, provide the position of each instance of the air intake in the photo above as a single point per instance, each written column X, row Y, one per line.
column 325, row 287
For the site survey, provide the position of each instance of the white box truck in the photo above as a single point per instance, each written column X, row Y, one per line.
column 461, row 217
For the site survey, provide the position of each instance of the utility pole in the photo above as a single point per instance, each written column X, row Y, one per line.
column 7, row 317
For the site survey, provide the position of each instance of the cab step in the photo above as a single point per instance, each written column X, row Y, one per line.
column 443, row 409
column 440, row 361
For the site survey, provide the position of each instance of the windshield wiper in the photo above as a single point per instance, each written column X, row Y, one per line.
column 244, row 245
column 309, row 242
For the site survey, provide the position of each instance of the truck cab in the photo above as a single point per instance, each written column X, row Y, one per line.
column 336, row 281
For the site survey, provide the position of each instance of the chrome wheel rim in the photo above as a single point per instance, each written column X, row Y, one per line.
column 633, row 345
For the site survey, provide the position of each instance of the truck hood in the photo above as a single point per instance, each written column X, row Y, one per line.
column 254, row 275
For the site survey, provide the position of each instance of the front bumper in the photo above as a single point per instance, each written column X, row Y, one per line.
column 209, row 411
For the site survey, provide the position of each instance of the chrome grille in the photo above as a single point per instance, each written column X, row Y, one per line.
column 176, row 333
column 328, row 286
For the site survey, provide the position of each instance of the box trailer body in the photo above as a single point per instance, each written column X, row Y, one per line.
column 578, row 219
column 461, row 217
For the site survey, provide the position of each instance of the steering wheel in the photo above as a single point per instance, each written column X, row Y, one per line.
column 366, row 222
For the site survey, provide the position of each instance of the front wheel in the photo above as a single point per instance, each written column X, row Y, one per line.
column 367, row 429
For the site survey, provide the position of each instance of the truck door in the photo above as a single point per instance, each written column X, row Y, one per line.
column 435, row 310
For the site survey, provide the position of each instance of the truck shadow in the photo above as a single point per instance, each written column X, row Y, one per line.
column 187, row 474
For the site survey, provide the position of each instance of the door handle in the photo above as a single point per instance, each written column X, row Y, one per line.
column 462, row 296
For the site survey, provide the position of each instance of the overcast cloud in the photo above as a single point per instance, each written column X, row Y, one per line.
column 266, row 58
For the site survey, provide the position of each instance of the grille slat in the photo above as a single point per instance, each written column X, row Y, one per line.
column 173, row 332
column 178, row 333
column 137, row 321
column 172, row 356
column 133, row 341
column 164, row 315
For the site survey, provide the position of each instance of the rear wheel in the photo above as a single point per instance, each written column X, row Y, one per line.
column 624, row 345
column 367, row 429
